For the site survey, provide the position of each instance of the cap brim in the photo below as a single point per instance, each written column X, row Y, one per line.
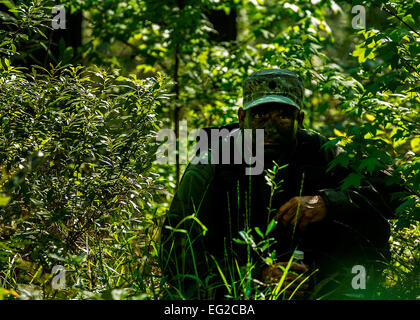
column 270, row 99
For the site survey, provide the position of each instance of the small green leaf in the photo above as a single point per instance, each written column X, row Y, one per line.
column 248, row 239
column 408, row 19
column 4, row 200
column 415, row 145
column 352, row 180
column 342, row 159
column 370, row 164
column 259, row 232
column 271, row 226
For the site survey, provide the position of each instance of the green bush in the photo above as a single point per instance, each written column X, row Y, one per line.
column 75, row 155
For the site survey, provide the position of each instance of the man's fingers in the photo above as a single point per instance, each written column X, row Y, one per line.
column 290, row 217
column 276, row 271
column 298, row 267
column 285, row 207
column 297, row 218
column 294, row 279
column 287, row 217
column 290, row 283
column 295, row 268
column 311, row 209
column 288, row 214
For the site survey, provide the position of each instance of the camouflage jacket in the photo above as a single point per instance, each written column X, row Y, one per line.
column 215, row 204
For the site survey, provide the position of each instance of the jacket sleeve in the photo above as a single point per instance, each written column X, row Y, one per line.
column 182, row 256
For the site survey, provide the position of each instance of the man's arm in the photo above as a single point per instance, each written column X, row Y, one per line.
column 344, row 228
column 183, row 259
column 365, row 209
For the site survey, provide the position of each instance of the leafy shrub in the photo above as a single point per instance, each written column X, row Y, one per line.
column 75, row 156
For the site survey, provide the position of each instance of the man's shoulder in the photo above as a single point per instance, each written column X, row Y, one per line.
column 312, row 143
column 311, row 138
column 201, row 166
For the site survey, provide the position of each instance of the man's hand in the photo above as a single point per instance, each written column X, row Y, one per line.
column 271, row 275
column 311, row 209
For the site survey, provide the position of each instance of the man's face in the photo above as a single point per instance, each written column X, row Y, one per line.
column 279, row 121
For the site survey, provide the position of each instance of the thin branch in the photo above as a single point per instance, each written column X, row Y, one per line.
column 387, row 10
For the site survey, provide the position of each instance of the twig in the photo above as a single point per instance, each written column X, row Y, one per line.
column 384, row 8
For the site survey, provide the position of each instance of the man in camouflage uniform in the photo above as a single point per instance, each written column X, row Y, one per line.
column 337, row 229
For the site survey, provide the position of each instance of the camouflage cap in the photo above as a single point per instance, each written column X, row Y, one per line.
column 273, row 85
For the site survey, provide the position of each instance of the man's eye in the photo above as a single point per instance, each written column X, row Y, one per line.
column 283, row 115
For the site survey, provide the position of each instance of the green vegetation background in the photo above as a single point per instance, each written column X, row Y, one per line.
column 80, row 107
